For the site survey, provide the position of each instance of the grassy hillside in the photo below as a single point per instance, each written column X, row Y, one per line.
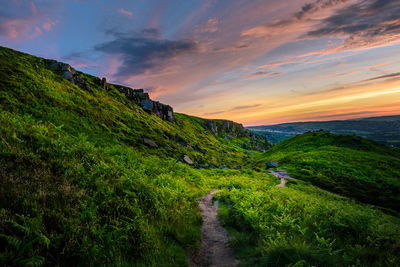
column 299, row 225
column 77, row 182
column 349, row 165
column 78, row 186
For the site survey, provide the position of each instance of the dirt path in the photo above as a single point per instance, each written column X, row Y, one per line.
column 282, row 174
column 214, row 250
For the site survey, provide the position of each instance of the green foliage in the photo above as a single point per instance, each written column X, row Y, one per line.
column 303, row 226
column 79, row 187
column 349, row 165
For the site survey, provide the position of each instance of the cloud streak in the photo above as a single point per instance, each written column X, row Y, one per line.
column 124, row 12
column 144, row 52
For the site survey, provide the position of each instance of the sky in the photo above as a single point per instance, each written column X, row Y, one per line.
column 252, row 61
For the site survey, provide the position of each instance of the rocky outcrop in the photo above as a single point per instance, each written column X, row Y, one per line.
column 69, row 73
column 230, row 129
column 141, row 98
column 138, row 96
column 224, row 126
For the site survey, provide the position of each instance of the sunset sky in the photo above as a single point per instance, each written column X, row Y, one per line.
column 251, row 61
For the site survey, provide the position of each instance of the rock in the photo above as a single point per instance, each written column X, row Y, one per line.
column 211, row 166
column 187, row 160
column 181, row 140
column 147, row 104
column 138, row 96
column 271, row 164
column 54, row 66
column 150, row 143
column 103, row 83
column 142, row 99
column 68, row 75
column 198, row 148
column 67, row 67
column 168, row 135
column 231, row 128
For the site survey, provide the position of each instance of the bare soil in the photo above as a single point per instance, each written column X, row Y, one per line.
column 214, row 250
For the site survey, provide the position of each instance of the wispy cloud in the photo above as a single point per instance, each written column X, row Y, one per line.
column 265, row 74
column 125, row 12
column 209, row 26
column 392, row 75
column 22, row 19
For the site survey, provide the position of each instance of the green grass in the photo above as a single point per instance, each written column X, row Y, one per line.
column 79, row 187
column 345, row 164
column 77, row 183
column 302, row 226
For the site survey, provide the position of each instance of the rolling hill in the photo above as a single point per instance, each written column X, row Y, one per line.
column 385, row 129
column 349, row 165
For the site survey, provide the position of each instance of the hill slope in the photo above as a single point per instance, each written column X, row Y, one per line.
column 349, row 165
column 384, row 129
column 87, row 175
column 81, row 186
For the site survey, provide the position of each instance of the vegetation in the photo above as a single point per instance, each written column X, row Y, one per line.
column 299, row 225
column 349, row 165
column 79, row 187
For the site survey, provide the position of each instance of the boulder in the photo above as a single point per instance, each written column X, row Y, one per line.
column 149, row 143
column 67, row 67
column 187, row 160
column 198, row 148
column 181, row 140
column 271, row 164
column 68, row 75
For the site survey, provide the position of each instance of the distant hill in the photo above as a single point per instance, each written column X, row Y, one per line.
column 385, row 129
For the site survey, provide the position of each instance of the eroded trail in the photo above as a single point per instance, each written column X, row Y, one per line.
column 214, row 250
column 282, row 175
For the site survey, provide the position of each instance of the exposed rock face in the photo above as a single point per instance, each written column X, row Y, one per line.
column 70, row 74
column 225, row 126
column 141, row 98
column 234, row 129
